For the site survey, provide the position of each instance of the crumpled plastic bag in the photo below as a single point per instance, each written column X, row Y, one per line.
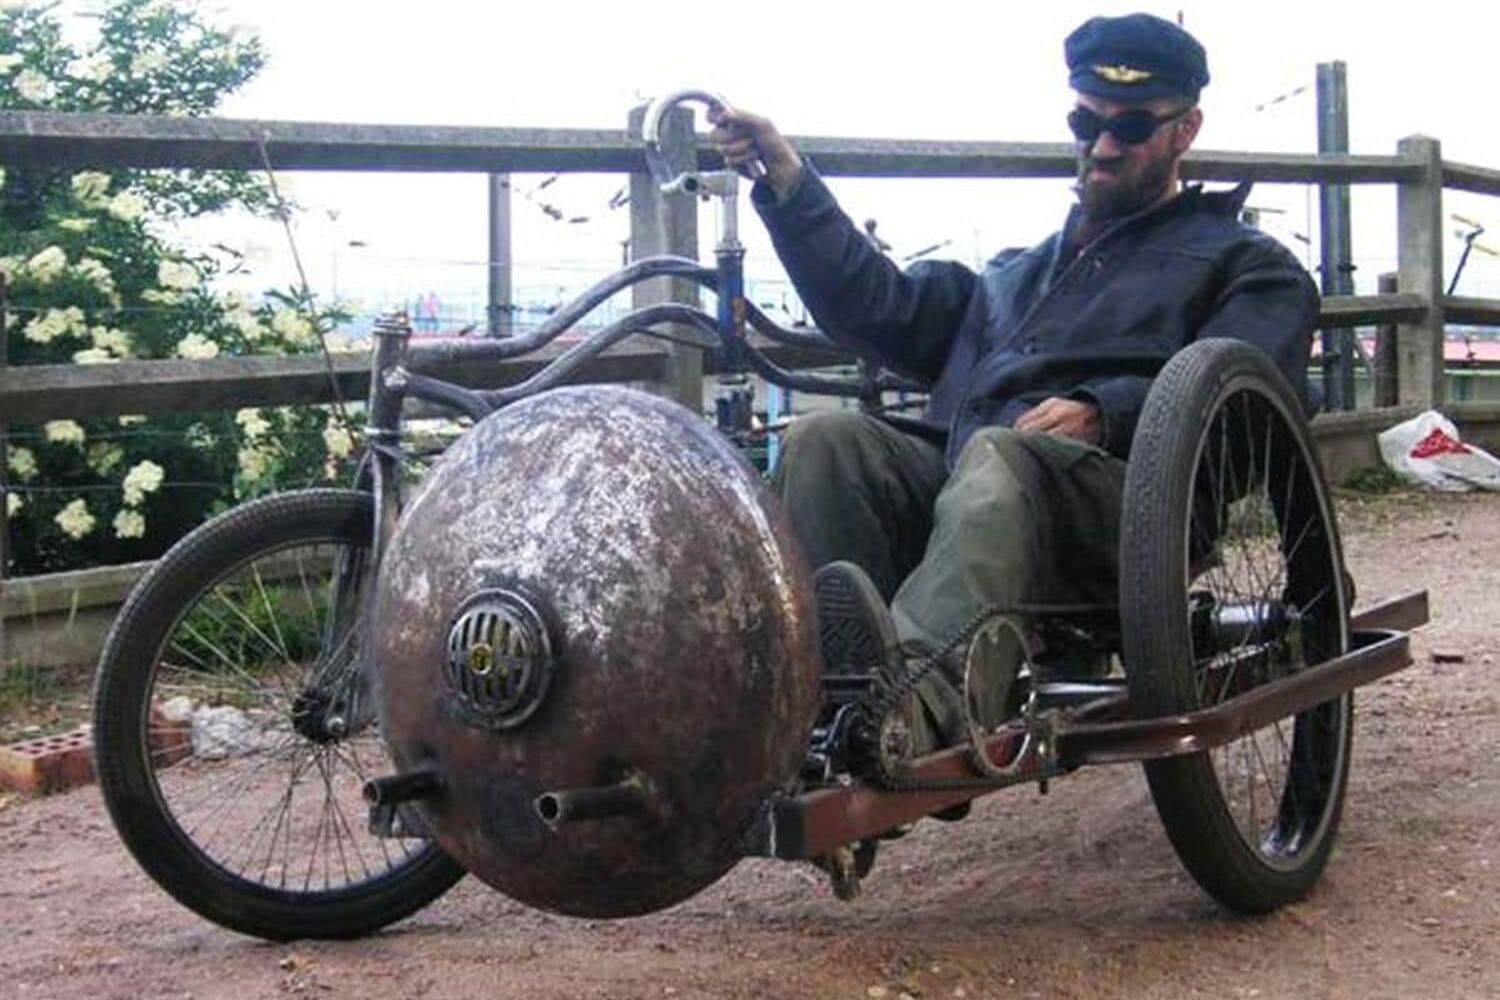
column 1426, row 449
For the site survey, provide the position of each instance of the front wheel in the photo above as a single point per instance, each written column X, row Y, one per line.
column 1231, row 576
column 234, row 727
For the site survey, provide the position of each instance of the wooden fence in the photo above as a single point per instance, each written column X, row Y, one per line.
column 1418, row 309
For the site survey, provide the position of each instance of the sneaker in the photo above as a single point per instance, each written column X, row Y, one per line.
column 858, row 636
column 856, row 633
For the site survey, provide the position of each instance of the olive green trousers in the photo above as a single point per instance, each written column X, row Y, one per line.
column 1021, row 519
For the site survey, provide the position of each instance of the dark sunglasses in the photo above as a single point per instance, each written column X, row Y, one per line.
column 1130, row 127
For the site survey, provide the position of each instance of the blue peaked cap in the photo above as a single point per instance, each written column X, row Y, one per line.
column 1135, row 58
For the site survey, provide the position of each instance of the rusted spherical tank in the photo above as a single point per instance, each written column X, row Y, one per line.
column 593, row 626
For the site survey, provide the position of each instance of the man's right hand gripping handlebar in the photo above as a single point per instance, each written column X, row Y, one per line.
column 743, row 138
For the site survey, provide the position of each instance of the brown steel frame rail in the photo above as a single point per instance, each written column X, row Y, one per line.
column 814, row 824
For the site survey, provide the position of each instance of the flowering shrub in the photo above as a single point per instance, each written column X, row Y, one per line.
column 93, row 277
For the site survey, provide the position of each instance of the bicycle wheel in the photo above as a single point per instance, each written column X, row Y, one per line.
column 1231, row 576
column 233, row 727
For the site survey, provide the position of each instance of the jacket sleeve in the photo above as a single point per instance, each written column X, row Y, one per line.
column 906, row 320
column 1267, row 298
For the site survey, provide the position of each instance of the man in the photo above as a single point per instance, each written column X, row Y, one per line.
column 1008, row 492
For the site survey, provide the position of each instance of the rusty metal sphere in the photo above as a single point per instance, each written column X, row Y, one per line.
column 593, row 624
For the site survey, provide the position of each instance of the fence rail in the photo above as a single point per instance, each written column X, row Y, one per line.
column 55, row 139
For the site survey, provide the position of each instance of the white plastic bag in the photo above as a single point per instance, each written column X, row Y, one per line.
column 1426, row 449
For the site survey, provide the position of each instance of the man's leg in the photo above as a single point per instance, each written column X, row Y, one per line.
column 860, row 490
column 1024, row 519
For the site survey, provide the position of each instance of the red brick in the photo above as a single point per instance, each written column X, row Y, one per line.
column 48, row 763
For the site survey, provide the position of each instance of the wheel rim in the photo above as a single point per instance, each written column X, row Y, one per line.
column 259, row 733
column 1267, row 601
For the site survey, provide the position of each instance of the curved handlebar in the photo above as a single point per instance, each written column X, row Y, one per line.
column 661, row 171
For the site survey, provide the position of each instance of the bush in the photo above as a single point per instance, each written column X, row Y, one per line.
column 92, row 279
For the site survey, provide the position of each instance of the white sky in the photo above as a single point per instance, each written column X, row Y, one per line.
column 933, row 69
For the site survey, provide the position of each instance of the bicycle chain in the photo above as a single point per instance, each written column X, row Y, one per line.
column 893, row 691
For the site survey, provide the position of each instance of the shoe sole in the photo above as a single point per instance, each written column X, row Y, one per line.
column 854, row 635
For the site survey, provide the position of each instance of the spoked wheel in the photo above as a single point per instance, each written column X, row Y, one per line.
column 1231, row 577
column 234, row 727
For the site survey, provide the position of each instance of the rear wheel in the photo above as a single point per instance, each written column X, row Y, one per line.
column 1232, row 577
column 234, row 727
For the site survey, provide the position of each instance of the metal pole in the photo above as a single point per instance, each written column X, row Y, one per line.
column 1337, row 267
column 501, row 308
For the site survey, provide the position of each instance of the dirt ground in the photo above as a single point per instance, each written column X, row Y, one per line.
column 1076, row 894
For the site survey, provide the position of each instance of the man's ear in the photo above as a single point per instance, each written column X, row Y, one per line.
column 1186, row 130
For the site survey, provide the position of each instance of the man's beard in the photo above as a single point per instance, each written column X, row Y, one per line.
column 1126, row 195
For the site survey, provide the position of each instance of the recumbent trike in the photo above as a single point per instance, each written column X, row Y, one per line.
column 580, row 661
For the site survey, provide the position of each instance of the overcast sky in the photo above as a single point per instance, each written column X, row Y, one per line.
column 933, row 69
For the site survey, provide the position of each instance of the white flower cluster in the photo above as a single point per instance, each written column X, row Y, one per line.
column 337, row 438
column 129, row 523
column 22, row 462
column 90, row 188
column 293, row 327
column 196, row 347
column 126, row 207
column 63, row 432
column 10, row 60
column 246, row 322
column 96, row 274
column 177, row 275
column 46, row 265
column 256, row 461
column 104, row 456
column 54, row 323
column 33, row 86
column 91, row 69
column 116, row 342
column 144, row 477
column 252, row 422
column 75, row 519
column 13, row 503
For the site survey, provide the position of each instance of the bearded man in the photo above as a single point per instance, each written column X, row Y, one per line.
column 1006, row 493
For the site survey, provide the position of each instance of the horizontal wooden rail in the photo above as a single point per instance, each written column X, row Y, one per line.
column 33, row 393
column 1365, row 310
column 57, row 139
column 1480, row 312
column 1465, row 177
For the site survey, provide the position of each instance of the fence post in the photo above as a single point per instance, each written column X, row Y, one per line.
column 1419, row 255
column 668, row 224
column 500, row 294
column 1385, row 374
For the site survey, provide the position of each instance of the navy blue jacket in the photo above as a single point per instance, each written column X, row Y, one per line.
column 1096, row 324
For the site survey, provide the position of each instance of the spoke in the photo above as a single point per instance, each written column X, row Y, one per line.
column 265, row 599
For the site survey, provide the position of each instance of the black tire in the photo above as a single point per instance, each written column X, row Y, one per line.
column 238, row 627
column 1226, row 511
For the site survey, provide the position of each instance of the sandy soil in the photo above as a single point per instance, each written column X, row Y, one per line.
column 1076, row 894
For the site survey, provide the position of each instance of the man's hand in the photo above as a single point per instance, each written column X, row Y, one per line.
column 1069, row 418
column 742, row 137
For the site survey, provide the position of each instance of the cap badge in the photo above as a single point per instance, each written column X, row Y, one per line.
column 1122, row 74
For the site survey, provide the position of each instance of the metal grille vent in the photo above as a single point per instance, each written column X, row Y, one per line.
column 499, row 661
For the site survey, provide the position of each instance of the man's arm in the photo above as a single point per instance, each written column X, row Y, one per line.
column 1268, row 300
column 856, row 294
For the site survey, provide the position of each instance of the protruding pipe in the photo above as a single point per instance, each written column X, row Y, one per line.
column 623, row 798
column 394, row 788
